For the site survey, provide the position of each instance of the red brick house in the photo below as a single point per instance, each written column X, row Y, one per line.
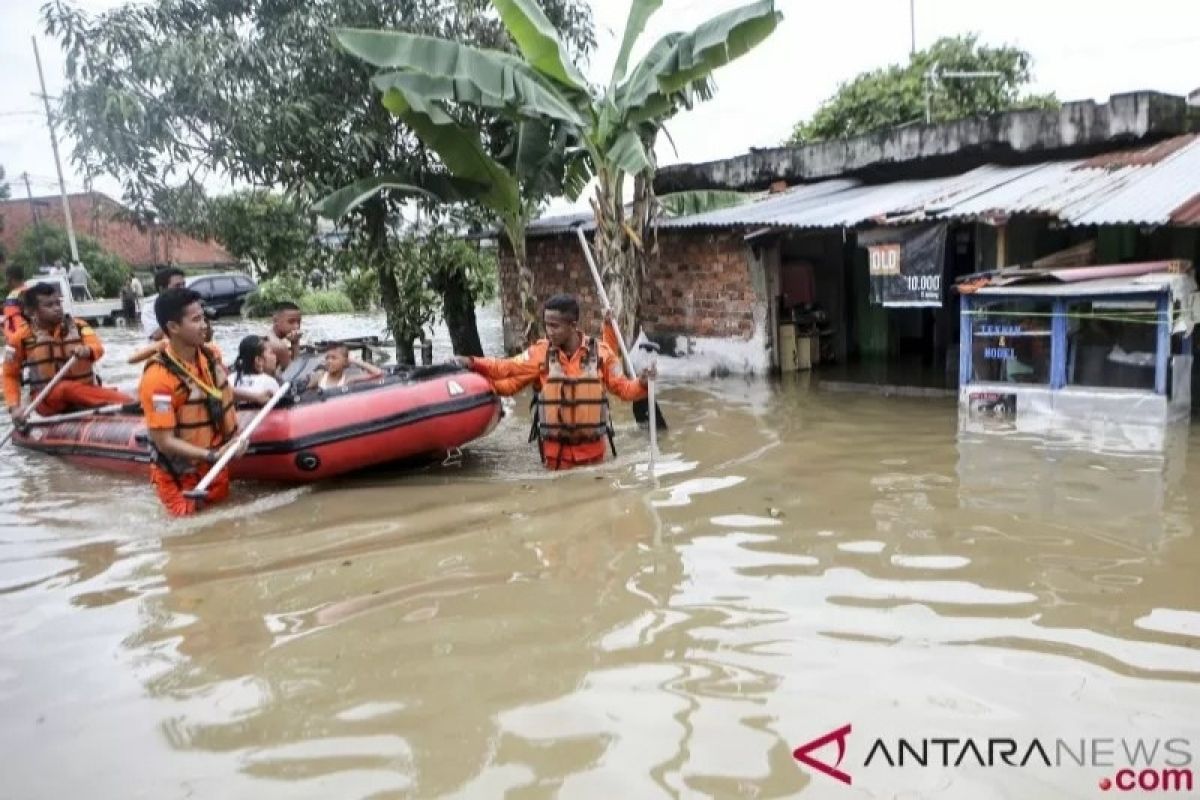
column 107, row 221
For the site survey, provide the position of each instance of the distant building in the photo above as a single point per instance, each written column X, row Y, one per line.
column 96, row 215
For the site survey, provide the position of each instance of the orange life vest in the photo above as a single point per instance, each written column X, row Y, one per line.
column 45, row 354
column 573, row 410
column 203, row 420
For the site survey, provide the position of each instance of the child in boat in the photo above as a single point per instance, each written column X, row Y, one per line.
column 254, row 371
column 337, row 360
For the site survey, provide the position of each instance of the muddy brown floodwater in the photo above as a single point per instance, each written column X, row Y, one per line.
column 808, row 560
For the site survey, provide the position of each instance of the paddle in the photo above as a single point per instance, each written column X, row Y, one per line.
column 641, row 408
column 37, row 401
column 201, row 490
column 652, row 350
column 111, row 408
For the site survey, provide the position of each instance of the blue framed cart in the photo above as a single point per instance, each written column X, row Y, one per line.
column 1106, row 360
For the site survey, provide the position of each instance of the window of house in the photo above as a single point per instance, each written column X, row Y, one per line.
column 1112, row 343
column 1010, row 341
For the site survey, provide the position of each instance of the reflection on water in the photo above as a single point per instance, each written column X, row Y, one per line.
column 806, row 560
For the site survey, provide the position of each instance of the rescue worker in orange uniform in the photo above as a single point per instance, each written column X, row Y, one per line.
column 572, row 374
column 14, row 281
column 41, row 346
column 189, row 406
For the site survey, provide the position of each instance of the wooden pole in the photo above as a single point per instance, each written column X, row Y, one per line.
column 62, row 186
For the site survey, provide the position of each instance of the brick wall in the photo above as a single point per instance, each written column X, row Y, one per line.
column 698, row 285
column 100, row 217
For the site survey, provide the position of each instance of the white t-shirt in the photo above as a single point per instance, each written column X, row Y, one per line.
column 149, row 319
column 325, row 382
column 256, row 383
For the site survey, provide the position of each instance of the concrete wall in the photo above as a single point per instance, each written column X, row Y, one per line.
column 1073, row 130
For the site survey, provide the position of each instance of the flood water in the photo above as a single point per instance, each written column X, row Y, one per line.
column 808, row 560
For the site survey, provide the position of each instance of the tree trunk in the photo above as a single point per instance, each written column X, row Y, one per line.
column 526, row 292
column 375, row 211
column 458, row 307
column 622, row 246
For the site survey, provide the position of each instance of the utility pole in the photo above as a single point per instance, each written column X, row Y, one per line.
column 912, row 24
column 62, row 186
column 37, row 228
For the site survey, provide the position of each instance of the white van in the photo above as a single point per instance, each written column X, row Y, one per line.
column 94, row 312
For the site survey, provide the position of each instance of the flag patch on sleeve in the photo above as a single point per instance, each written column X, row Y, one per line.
column 162, row 402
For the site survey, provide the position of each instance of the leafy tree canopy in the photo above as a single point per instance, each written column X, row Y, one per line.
column 895, row 95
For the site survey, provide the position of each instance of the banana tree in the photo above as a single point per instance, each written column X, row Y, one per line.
column 604, row 132
column 536, row 162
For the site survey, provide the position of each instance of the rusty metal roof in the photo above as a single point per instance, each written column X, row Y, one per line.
column 1140, row 156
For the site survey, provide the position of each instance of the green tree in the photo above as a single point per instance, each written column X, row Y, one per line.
column 435, row 84
column 184, row 208
column 253, row 91
column 271, row 231
column 896, row 95
column 107, row 271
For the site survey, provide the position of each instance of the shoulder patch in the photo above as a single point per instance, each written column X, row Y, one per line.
column 161, row 402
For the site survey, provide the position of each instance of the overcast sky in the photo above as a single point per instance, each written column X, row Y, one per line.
column 1081, row 49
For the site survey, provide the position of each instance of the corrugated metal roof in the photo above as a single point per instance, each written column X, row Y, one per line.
column 561, row 223
column 1141, row 156
column 1152, row 194
column 1156, row 185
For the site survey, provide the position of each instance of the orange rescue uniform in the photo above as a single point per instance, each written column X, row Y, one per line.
column 533, row 368
column 175, row 396
column 33, row 356
column 14, row 316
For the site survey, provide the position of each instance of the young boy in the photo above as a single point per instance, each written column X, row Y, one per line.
column 285, row 333
column 337, row 359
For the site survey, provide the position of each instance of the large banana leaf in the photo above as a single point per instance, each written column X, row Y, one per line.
column 640, row 12
column 527, row 99
column 679, row 61
column 683, row 204
column 546, row 161
column 628, row 154
column 338, row 204
column 538, row 42
column 639, row 97
column 487, row 78
column 461, row 151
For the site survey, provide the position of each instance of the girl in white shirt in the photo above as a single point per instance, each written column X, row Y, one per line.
column 254, row 371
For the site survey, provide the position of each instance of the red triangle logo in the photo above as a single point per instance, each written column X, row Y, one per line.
column 802, row 752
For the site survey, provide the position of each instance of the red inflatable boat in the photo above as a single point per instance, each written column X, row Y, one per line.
column 424, row 413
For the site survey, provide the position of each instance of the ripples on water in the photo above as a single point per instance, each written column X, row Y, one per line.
column 807, row 560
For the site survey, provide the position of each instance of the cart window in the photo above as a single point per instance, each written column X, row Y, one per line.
column 1011, row 341
column 1112, row 343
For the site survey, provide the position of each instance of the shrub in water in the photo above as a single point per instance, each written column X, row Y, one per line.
column 328, row 301
column 270, row 293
